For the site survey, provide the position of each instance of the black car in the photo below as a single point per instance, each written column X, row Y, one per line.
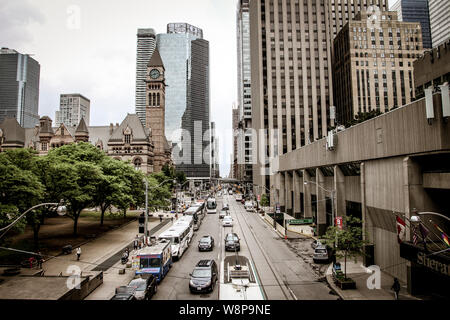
column 204, row 276
column 232, row 242
column 123, row 296
column 206, row 243
column 145, row 286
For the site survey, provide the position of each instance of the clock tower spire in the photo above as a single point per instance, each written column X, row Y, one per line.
column 155, row 109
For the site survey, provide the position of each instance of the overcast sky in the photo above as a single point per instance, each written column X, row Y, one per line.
column 89, row 47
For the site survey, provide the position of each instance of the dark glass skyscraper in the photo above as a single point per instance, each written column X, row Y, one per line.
column 415, row 11
column 19, row 87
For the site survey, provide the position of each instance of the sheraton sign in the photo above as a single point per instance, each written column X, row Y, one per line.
column 438, row 263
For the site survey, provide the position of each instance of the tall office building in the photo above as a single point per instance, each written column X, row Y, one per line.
column 439, row 21
column 373, row 67
column 290, row 77
column 146, row 44
column 214, row 152
column 244, row 87
column 415, row 11
column 72, row 107
column 175, row 50
column 237, row 163
column 19, row 87
column 195, row 119
column 342, row 11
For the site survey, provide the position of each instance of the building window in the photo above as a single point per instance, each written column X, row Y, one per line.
column 127, row 138
column 44, row 146
column 137, row 163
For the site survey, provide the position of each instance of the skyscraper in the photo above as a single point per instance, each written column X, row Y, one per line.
column 415, row 11
column 373, row 67
column 175, row 50
column 195, row 120
column 439, row 21
column 244, row 87
column 146, row 44
column 290, row 77
column 19, row 87
column 73, row 107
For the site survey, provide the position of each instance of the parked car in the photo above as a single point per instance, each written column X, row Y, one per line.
column 123, row 296
column 227, row 221
column 321, row 254
column 125, row 289
column 204, row 276
column 316, row 243
column 206, row 243
column 232, row 242
column 145, row 286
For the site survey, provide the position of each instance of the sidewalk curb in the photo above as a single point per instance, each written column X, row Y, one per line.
column 330, row 282
column 282, row 235
column 90, row 240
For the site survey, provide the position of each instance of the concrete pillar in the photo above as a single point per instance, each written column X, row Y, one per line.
column 321, row 203
column 288, row 192
column 339, row 187
column 282, row 192
column 307, row 194
column 366, row 222
column 296, row 187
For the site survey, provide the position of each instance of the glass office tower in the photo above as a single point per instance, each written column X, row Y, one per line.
column 175, row 51
column 19, row 87
column 415, row 11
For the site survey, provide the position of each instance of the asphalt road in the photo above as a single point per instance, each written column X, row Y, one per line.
column 283, row 275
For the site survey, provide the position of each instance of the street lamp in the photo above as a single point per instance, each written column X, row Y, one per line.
column 176, row 194
column 60, row 209
column 417, row 218
column 333, row 211
column 146, row 204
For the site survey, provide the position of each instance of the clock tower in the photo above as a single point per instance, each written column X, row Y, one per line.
column 155, row 109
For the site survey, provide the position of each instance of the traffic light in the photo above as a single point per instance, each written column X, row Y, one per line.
column 141, row 221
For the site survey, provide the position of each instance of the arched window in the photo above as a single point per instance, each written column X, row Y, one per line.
column 157, row 103
column 127, row 138
column 137, row 163
column 154, row 99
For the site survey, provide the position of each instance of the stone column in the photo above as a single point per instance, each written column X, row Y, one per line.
column 296, row 187
column 307, row 194
column 288, row 190
column 339, row 187
column 321, row 203
column 282, row 192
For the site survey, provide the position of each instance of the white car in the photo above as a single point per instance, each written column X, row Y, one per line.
column 227, row 221
column 238, row 197
column 248, row 205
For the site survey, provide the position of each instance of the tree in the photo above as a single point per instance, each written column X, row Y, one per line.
column 134, row 186
column 20, row 189
column 158, row 191
column 73, row 174
column 349, row 240
column 264, row 202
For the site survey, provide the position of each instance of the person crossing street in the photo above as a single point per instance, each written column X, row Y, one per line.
column 78, row 253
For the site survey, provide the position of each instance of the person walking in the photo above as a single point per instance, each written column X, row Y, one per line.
column 40, row 260
column 78, row 253
column 396, row 288
column 135, row 244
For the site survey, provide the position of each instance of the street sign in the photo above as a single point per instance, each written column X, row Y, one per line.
column 338, row 222
column 259, row 197
column 300, row 221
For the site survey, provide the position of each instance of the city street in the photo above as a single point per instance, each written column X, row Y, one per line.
column 283, row 275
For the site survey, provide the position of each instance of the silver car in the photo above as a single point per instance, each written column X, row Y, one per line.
column 320, row 254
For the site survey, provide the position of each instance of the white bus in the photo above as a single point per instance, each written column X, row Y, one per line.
column 197, row 213
column 186, row 220
column 178, row 236
column 211, row 205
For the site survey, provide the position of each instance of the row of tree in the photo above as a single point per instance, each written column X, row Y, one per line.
column 81, row 175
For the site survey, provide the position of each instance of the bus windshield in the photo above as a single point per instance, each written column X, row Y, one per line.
column 149, row 263
column 211, row 204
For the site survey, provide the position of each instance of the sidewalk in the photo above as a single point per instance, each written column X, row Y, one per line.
column 359, row 273
column 95, row 251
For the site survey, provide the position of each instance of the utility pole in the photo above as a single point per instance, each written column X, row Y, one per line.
column 146, row 211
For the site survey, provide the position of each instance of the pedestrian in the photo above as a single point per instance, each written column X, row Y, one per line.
column 171, row 219
column 135, row 244
column 78, row 253
column 396, row 288
column 140, row 245
column 160, row 218
column 40, row 260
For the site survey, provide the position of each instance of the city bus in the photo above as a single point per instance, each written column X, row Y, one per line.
column 178, row 235
column 197, row 213
column 155, row 259
column 186, row 220
column 211, row 205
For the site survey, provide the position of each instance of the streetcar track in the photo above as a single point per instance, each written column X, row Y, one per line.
column 265, row 257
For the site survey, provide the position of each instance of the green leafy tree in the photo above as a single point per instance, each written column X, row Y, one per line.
column 134, row 189
column 20, row 189
column 264, row 202
column 74, row 174
column 349, row 240
column 158, row 191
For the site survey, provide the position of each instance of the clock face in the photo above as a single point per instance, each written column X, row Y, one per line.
column 154, row 73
